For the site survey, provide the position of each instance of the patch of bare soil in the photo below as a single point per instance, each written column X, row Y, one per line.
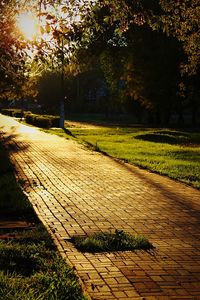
column 11, row 228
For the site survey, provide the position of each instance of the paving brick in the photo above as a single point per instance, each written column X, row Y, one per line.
column 76, row 191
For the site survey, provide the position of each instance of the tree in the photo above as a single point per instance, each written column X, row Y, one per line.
column 12, row 54
column 138, row 64
column 181, row 19
column 165, row 71
column 53, row 46
column 58, row 37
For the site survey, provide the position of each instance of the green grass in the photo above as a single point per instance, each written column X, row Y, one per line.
column 59, row 132
column 13, row 202
column 105, row 241
column 32, row 269
column 30, row 266
column 168, row 152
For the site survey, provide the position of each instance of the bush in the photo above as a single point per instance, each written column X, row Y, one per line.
column 42, row 121
column 13, row 112
column 18, row 114
column 7, row 112
column 27, row 112
column 55, row 121
column 30, row 118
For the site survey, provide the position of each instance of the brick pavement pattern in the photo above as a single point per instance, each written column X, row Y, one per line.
column 76, row 191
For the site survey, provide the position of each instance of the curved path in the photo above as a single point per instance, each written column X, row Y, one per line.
column 77, row 191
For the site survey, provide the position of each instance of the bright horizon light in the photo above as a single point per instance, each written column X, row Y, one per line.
column 28, row 25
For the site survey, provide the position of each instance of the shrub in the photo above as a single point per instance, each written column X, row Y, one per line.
column 27, row 112
column 7, row 111
column 55, row 121
column 13, row 112
column 18, row 114
column 42, row 121
column 29, row 118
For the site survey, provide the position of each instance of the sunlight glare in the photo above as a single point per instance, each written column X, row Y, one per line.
column 28, row 25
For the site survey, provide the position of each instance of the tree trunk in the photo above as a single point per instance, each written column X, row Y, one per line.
column 62, row 100
column 62, row 114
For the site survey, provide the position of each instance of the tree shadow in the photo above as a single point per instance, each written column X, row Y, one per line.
column 8, row 140
column 13, row 202
column 179, row 199
column 67, row 131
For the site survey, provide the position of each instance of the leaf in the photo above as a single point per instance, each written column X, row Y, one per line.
column 117, row 30
column 48, row 28
column 49, row 17
column 42, row 30
column 107, row 19
column 64, row 9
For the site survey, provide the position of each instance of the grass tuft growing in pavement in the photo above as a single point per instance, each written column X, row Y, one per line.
column 105, row 241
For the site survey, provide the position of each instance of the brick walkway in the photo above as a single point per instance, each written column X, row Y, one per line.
column 77, row 191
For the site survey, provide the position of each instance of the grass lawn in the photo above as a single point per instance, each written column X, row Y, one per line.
column 174, row 153
column 30, row 266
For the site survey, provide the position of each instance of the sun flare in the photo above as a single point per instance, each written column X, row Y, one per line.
column 28, row 25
